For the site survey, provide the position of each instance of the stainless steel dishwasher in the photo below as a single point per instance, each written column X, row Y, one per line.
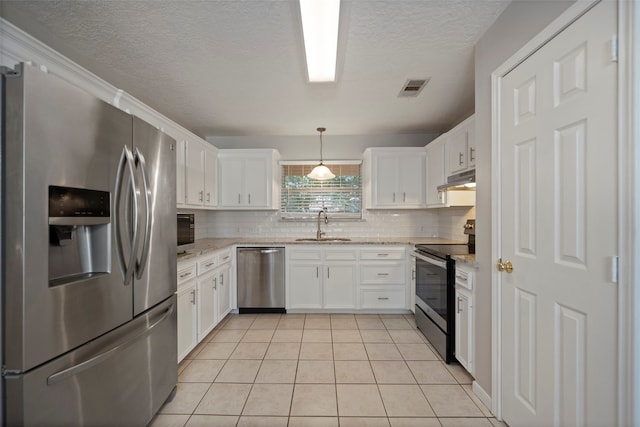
column 260, row 279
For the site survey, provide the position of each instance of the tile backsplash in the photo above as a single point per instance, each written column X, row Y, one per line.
column 445, row 222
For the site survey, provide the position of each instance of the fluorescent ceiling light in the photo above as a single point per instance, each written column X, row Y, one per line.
column 320, row 29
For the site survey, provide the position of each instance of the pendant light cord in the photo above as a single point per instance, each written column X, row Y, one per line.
column 321, row 130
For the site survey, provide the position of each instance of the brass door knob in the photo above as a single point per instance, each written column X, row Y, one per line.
column 504, row 266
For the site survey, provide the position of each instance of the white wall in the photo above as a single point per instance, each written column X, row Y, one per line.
column 335, row 147
column 519, row 22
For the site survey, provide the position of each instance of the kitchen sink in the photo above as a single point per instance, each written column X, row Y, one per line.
column 324, row 239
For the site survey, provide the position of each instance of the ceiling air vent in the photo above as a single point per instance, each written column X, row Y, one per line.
column 413, row 87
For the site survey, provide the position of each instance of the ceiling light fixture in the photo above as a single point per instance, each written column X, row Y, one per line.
column 320, row 30
column 321, row 172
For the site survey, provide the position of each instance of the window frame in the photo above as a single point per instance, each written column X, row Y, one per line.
column 312, row 215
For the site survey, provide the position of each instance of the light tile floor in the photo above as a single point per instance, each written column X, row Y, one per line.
column 320, row 370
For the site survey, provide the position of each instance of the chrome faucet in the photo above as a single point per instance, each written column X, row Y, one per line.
column 320, row 233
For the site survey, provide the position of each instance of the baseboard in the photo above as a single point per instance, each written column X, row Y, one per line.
column 482, row 395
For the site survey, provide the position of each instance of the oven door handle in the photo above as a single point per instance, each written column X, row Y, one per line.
column 439, row 263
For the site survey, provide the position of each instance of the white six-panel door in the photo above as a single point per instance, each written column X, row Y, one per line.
column 558, row 190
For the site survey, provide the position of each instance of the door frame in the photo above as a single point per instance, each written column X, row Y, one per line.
column 628, row 201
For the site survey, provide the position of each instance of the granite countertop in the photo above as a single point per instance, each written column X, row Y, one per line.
column 203, row 246
column 466, row 259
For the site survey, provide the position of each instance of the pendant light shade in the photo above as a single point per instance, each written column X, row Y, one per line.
column 321, row 172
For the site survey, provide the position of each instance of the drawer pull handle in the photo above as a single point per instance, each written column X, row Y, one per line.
column 226, row 258
column 209, row 264
column 183, row 275
column 383, row 298
column 383, row 254
column 383, row 274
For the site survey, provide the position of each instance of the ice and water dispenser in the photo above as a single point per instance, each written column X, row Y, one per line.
column 79, row 234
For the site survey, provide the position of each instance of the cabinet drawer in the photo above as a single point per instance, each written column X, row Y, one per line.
column 383, row 298
column 464, row 278
column 187, row 273
column 224, row 256
column 305, row 254
column 383, row 273
column 382, row 253
column 340, row 254
column 207, row 264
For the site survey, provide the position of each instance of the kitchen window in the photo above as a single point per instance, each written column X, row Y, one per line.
column 303, row 197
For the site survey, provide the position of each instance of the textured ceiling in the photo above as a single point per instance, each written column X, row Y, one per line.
column 237, row 67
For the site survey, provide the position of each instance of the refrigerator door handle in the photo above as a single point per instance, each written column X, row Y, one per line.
column 96, row 360
column 142, row 262
column 126, row 162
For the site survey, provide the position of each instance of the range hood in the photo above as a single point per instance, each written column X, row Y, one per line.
column 461, row 181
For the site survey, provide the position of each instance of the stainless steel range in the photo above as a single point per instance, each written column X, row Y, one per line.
column 435, row 289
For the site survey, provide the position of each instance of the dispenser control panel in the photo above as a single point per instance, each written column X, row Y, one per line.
column 78, row 202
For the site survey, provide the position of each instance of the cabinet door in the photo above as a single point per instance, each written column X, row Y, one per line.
column 411, row 180
column 194, row 162
column 257, row 182
column 187, row 321
column 210, row 177
column 386, row 179
column 207, row 304
column 340, row 286
column 457, row 150
column 464, row 330
column 224, row 291
column 436, row 172
column 181, row 171
column 305, row 286
column 471, row 144
column 231, row 182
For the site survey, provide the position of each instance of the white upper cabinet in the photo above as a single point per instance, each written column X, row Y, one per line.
column 200, row 164
column 437, row 175
column 394, row 178
column 248, row 179
column 436, row 172
column 461, row 147
column 181, row 186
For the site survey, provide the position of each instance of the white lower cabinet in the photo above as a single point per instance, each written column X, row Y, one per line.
column 383, row 278
column 340, row 285
column 224, row 290
column 187, row 311
column 207, row 303
column 305, row 285
column 347, row 277
column 205, row 290
column 317, row 280
column 464, row 331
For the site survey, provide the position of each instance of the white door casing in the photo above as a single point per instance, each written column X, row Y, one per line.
column 558, row 225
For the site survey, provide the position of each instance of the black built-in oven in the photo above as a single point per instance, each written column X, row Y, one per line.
column 435, row 295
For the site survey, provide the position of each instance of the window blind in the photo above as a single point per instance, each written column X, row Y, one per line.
column 303, row 197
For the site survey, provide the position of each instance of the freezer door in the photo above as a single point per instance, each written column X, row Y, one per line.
column 121, row 379
column 58, row 135
column 155, row 158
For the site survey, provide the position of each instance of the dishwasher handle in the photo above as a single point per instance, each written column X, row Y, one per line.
column 269, row 251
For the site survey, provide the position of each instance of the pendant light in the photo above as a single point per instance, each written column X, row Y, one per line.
column 321, row 172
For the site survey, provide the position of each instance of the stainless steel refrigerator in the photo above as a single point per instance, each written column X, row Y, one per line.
column 89, row 258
